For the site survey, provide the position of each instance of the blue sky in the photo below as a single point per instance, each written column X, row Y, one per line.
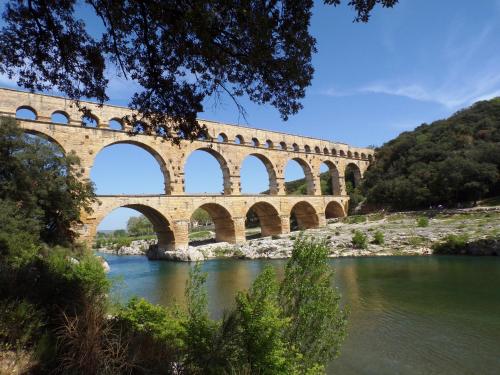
column 418, row 62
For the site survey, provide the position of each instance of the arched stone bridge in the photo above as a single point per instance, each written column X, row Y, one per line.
column 58, row 120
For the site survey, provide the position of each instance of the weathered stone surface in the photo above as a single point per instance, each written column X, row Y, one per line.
column 170, row 213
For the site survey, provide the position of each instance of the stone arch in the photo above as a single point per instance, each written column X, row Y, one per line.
column 239, row 140
column 307, row 174
column 283, row 145
column 334, row 175
column 296, row 147
column 223, row 222
column 116, row 124
column 363, row 156
column 90, row 121
column 255, row 142
column 269, row 144
column 29, row 109
column 45, row 136
column 370, row 157
column 161, row 224
column 222, row 138
column 356, row 173
column 349, row 154
column 317, row 150
column 161, row 161
column 226, row 183
column 271, row 171
column 307, row 148
column 269, row 218
column 53, row 117
column 325, row 151
column 356, row 155
column 333, row 210
column 334, row 152
column 305, row 215
column 342, row 153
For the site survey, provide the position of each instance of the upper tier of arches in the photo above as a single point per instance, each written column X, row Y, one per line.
column 62, row 111
column 230, row 162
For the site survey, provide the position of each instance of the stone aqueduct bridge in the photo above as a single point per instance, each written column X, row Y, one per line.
column 229, row 144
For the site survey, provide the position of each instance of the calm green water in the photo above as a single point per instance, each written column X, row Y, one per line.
column 409, row 315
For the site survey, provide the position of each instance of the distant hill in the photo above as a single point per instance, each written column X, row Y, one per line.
column 449, row 162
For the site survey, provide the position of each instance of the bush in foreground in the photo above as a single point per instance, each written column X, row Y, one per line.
column 294, row 326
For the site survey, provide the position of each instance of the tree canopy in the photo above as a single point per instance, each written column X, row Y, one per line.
column 177, row 52
column 139, row 226
column 450, row 161
column 42, row 184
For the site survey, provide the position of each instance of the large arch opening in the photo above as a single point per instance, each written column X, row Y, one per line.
column 42, row 137
column 262, row 220
column 257, row 175
column 132, row 222
column 333, row 210
column 329, row 177
column 352, row 176
column 206, row 172
column 298, row 178
column 129, row 167
column 303, row 216
column 352, row 185
column 219, row 218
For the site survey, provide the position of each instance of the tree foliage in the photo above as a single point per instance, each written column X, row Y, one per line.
column 42, row 183
column 202, row 217
column 317, row 322
column 139, row 226
column 177, row 52
column 448, row 162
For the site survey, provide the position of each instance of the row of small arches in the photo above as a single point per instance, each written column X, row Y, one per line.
column 223, row 138
column 61, row 117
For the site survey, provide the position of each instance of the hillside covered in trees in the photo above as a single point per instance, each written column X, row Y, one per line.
column 449, row 162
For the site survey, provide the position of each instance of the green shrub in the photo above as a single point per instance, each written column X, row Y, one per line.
column 155, row 334
column 21, row 324
column 416, row 240
column 317, row 322
column 378, row 238
column 423, row 221
column 359, row 240
column 376, row 216
column 354, row 219
column 452, row 244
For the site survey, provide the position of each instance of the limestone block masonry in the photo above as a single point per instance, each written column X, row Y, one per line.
column 229, row 144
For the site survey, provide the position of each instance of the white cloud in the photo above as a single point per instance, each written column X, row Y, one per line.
column 450, row 94
column 465, row 71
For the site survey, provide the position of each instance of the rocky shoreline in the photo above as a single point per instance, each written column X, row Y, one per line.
column 401, row 236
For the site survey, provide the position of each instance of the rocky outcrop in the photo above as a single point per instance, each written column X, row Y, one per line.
column 401, row 234
column 137, row 247
column 189, row 255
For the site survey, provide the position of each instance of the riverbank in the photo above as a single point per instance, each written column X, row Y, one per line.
column 379, row 234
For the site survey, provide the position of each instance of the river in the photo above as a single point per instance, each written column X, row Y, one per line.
column 408, row 315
